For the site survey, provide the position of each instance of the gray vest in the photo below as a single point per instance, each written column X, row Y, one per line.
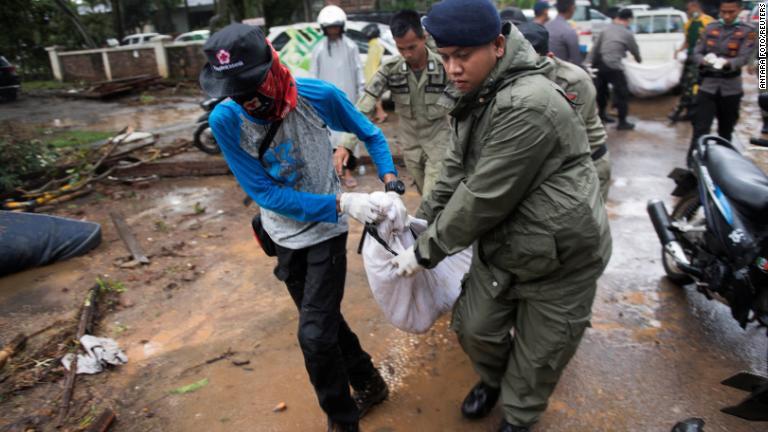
column 300, row 157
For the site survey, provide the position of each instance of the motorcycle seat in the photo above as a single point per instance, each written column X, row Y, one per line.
column 743, row 182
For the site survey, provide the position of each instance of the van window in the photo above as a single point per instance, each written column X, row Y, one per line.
column 581, row 13
column 280, row 41
column 596, row 15
column 358, row 38
column 660, row 23
column 675, row 24
column 643, row 24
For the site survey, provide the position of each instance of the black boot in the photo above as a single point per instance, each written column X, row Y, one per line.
column 480, row 401
column 373, row 392
column 625, row 125
column 605, row 118
column 507, row 427
column 342, row 427
column 674, row 116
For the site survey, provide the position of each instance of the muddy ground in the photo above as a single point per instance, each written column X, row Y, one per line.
column 655, row 354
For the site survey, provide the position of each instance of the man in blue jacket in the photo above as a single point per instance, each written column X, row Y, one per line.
column 294, row 179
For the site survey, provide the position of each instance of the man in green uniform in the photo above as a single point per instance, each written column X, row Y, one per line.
column 581, row 91
column 519, row 186
column 416, row 80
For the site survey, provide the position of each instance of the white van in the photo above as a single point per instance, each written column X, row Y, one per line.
column 659, row 33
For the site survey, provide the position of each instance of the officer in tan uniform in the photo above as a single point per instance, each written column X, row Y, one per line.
column 580, row 90
column 416, row 80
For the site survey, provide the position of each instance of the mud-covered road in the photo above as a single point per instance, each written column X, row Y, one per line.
column 655, row 353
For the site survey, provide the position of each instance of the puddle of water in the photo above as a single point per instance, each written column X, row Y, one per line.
column 148, row 118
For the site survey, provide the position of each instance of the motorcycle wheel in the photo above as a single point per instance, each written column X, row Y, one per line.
column 687, row 209
column 205, row 141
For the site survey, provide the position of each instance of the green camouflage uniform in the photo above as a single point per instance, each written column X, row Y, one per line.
column 518, row 185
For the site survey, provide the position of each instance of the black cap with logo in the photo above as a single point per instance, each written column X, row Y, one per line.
column 238, row 61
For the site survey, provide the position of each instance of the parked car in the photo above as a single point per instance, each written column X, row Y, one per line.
column 9, row 80
column 295, row 43
column 587, row 21
column 196, row 35
column 659, row 33
column 139, row 38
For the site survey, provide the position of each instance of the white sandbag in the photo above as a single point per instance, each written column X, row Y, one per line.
column 414, row 303
column 647, row 80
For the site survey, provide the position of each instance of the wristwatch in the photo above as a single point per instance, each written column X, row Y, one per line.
column 396, row 186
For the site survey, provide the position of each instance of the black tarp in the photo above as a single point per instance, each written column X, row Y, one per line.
column 30, row 239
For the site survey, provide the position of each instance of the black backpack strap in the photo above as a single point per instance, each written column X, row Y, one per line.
column 273, row 128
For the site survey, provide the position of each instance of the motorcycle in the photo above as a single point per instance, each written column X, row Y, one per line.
column 717, row 238
column 203, row 137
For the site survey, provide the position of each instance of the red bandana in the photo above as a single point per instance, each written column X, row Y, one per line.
column 280, row 86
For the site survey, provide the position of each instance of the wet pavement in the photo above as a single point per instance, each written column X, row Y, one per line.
column 655, row 353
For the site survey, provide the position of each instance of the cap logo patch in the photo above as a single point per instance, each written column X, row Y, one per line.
column 223, row 56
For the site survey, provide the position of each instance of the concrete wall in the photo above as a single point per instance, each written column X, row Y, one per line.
column 169, row 60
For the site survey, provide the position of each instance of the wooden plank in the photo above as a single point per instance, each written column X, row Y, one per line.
column 103, row 422
column 128, row 238
column 175, row 168
column 86, row 316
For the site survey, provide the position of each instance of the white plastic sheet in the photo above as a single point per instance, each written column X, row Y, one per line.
column 648, row 80
column 414, row 303
column 99, row 352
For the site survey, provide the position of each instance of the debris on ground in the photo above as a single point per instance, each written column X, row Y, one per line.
column 191, row 387
column 103, row 422
column 117, row 87
column 280, row 407
column 99, row 353
column 693, row 424
column 126, row 235
column 32, row 240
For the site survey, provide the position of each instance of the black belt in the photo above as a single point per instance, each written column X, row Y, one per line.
column 714, row 73
column 600, row 152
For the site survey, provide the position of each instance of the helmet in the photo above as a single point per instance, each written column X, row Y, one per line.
column 331, row 16
column 371, row 31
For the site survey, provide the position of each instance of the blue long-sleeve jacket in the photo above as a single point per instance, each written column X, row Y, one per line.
column 281, row 195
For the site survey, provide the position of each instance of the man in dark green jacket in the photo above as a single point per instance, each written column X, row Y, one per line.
column 517, row 185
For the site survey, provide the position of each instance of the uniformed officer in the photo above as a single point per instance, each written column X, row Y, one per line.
column 518, row 185
column 416, row 80
column 581, row 91
column 723, row 49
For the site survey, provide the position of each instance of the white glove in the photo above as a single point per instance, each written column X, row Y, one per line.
column 405, row 263
column 710, row 58
column 361, row 207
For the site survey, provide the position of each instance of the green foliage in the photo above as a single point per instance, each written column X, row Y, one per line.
column 21, row 157
column 43, row 85
column 75, row 138
column 110, row 286
column 191, row 387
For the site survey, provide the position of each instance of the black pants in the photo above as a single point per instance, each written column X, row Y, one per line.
column 332, row 353
column 710, row 106
column 616, row 78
